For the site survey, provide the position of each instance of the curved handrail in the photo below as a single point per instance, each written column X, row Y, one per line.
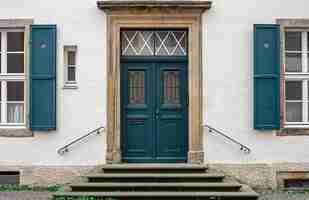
column 243, row 147
column 65, row 148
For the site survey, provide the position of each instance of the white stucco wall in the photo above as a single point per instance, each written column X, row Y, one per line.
column 79, row 23
column 228, row 84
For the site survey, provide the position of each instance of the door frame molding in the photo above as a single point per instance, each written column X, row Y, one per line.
column 159, row 14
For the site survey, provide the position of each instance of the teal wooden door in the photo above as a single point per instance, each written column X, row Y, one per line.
column 154, row 112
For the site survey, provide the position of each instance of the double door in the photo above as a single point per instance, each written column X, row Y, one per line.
column 154, row 112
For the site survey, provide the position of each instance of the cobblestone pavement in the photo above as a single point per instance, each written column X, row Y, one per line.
column 48, row 196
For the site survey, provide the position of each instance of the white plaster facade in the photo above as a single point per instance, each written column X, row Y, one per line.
column 227, row 83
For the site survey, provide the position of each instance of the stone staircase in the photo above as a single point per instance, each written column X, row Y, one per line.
column 162, row 181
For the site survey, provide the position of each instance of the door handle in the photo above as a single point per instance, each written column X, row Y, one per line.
column 157, row 112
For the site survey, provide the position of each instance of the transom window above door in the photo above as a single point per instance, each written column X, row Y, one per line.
column 154, row 43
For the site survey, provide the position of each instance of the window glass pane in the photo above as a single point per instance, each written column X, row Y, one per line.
column 0, row 50
column 136, row 87
column 293, row 41
column 171, row 87
column 293, row 90
column 15, row 112
column 15, row 91
column 137, row 43
column 0, row 99
column 150, row 43
column 293, row 62
column 308, row 40
column 15, row 63
column 294, row 111
column 15, row 41
column 171, row 43
column 71, row 57
column 71, row 74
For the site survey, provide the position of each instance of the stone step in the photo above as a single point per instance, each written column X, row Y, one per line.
column 154, row 177
column 154, row 168
column 140, row 187
column 160, row 195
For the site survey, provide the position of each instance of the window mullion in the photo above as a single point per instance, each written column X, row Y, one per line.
column 305, row 69
column 3, row 83
column 304, row 52
column 4, row 102
column 4, row 46
column 305, row 101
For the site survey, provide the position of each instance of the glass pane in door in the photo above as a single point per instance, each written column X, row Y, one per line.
column 171, row 87
column 136, row 87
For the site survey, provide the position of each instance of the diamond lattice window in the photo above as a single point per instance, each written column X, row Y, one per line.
column 154, row 43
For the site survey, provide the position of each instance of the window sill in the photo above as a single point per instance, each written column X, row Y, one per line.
column 15, row 132
column 70, row 86
column 294, row 131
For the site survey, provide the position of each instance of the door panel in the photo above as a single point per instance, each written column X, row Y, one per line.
column 154, row 112
column 171, row 109
column 137, row 106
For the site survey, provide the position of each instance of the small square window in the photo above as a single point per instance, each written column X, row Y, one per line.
column 70, row 66
column 293, row 95
column 293, row 41
column 15, row 91
column 71, row 74
column 71, row 58
column 15, row 41
column 293, row 62
column 293, row 90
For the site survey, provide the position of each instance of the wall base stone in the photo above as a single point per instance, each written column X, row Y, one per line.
column 264, row 176
column 50, row 175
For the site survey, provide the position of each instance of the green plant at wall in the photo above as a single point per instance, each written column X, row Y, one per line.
column 14, row 188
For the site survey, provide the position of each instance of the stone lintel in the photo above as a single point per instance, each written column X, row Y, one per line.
column 110, row 5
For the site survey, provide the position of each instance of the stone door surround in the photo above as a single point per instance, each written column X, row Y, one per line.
column 155, row 14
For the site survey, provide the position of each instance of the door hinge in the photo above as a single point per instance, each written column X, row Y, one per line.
column 187, row 99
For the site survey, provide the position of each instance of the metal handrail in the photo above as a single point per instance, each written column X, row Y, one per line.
column 243, row 147
column 65, row 148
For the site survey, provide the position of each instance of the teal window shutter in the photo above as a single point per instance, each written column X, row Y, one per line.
column 43, row 77
column 266, row 77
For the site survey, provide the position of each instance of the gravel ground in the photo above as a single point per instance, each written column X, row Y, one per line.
column 265, row 195
column 270, row 195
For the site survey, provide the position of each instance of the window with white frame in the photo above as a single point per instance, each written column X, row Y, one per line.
column 12, row 77
column 70, row 64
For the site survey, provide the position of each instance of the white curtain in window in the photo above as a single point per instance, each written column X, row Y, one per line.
column 15, row 113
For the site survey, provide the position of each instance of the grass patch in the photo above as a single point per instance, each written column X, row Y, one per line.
column 20, row 188
column 84, row 198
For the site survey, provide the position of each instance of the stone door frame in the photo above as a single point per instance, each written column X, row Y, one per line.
column 169, row 14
